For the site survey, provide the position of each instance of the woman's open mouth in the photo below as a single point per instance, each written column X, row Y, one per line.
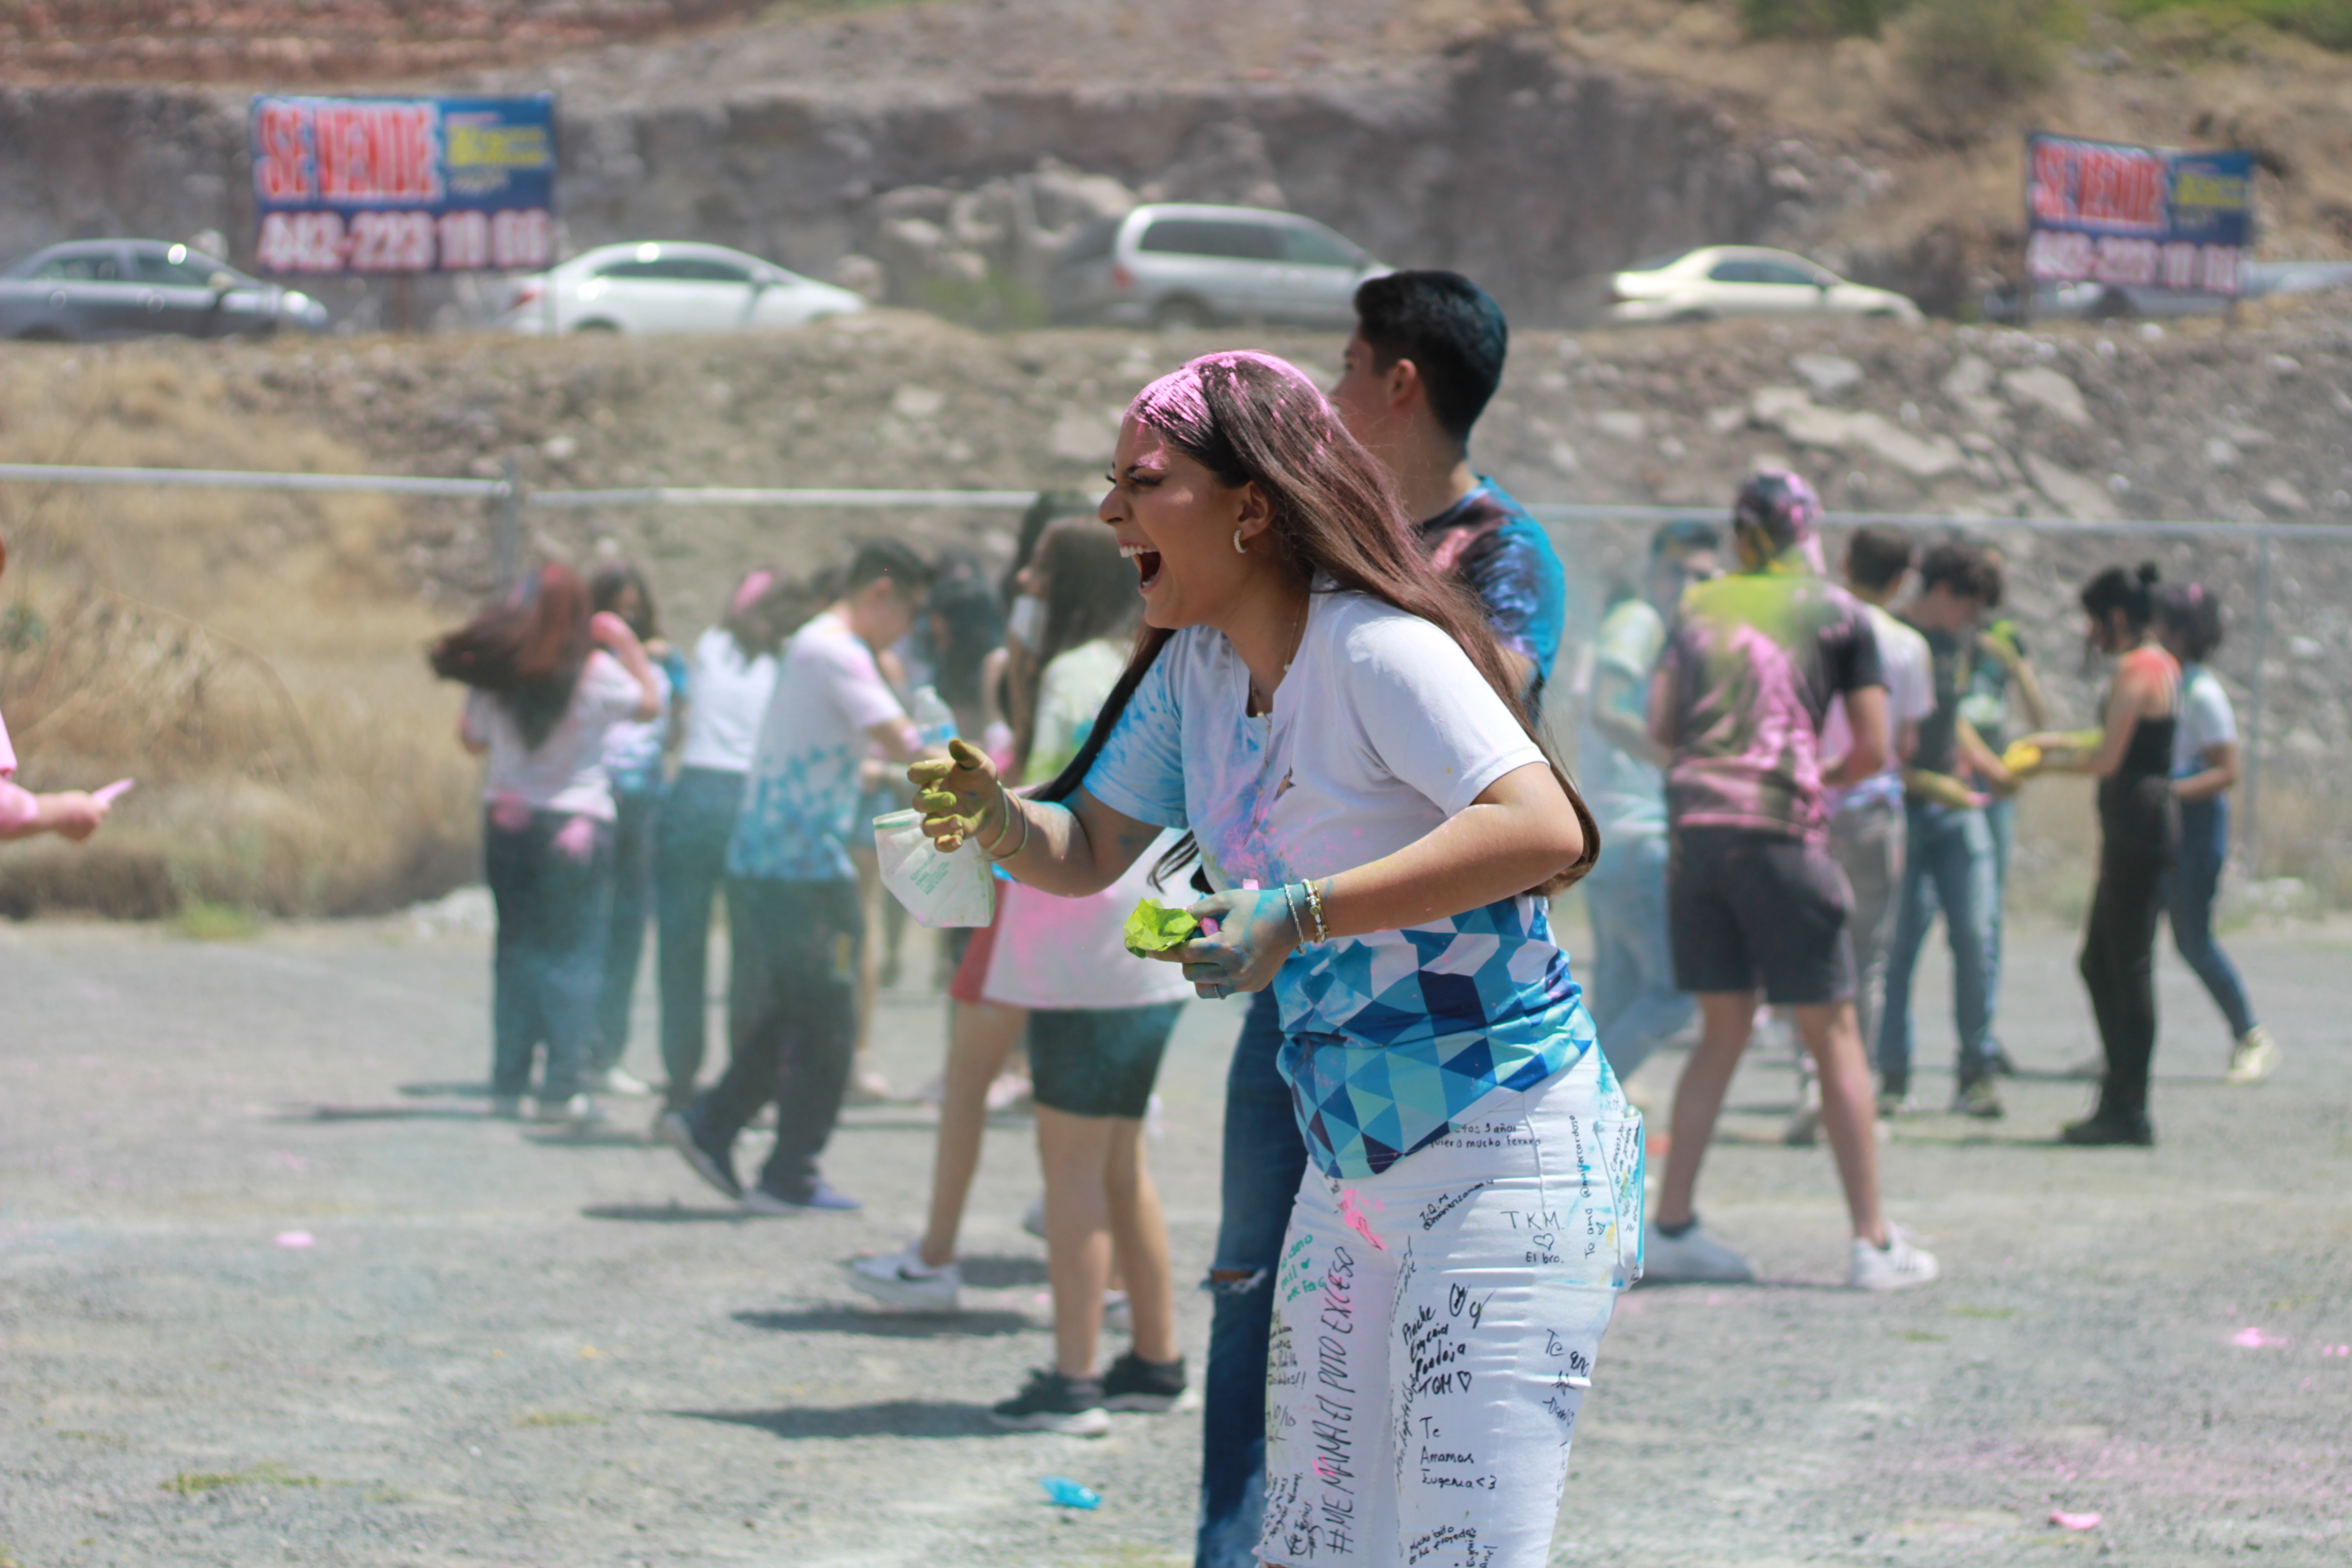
column 1147, row 563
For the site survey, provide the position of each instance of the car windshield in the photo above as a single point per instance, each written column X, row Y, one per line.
column 1658, row 263
column 1318, row 247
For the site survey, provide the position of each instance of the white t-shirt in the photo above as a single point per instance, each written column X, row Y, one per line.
column 800, row 804
column 566, row 772
column 1910, row 670
column 730, row 699
column 1051, row 951
column 2205, row 720
column 1381, row 729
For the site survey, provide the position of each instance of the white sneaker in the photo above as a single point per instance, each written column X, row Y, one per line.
column 1033, row 1218
column 1691, row 1259
column 2253, row 1058
column 1899, row 1265
column 902, row 1279
column 580, row 1111
column 620, row 1081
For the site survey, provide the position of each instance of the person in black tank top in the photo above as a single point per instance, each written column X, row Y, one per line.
column 2139, row 831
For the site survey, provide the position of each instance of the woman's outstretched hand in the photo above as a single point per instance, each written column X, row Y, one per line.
column 959, row 797
column 1255, row 934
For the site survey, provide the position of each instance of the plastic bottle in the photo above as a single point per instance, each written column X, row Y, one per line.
column 1066, row 1493
column 934, row 720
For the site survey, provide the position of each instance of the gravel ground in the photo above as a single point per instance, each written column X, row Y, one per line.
column 505, row 1346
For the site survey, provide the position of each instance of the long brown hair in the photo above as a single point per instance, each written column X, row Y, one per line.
column 1090, row 595
column 527, row 648
column 1250, row 418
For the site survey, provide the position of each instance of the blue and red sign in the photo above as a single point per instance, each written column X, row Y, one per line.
column 2151, row 217
column 405, row 184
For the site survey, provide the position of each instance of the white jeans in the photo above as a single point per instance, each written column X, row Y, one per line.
column 1436, row 1326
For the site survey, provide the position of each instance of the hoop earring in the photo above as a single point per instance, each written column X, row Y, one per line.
column 1239, row 548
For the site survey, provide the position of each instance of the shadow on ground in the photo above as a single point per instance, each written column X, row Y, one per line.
column 890, row 1418
column 889, row 1325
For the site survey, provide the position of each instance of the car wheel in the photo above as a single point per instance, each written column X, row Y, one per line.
column 1180, row 312
column 598, row 325
column 1690, row 318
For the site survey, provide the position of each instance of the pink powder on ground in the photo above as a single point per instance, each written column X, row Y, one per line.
column 2255, row 1340
column 2065, row 1520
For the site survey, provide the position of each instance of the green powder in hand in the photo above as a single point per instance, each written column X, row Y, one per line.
column 1155, row 927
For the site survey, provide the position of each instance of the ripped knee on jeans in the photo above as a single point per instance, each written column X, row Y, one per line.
column 1235, row 1281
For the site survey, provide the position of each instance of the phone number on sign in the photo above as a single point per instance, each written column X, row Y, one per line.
column 457, row 241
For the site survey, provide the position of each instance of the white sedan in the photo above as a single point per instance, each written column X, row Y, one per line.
column 670, row 287
column 1724, row 280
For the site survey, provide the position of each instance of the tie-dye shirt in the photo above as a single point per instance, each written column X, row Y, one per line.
column 1488, row 541
column 800, row 800
column 1382, row 730
column 1755, row 661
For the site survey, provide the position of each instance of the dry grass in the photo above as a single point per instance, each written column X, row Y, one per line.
column 252, row 659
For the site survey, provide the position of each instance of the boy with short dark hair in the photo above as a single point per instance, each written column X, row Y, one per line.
column 794, row 919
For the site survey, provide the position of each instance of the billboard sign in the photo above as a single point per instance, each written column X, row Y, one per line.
column 2149, row 217
column 404, row 184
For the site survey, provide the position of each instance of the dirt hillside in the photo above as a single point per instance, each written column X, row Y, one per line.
column 2198, row 421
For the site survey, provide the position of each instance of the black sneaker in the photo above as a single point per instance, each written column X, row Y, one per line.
column 1134, row 1383
column 2104, row 1131
column 713, row 1163
column 1072, row 1406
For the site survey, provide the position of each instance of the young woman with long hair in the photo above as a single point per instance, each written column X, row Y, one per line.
column 1338, row 729
column 2139, row 832
column 1099, row 1023
column 732, row 677
column 636, row 758
column 2204, row 770
column 544, row 693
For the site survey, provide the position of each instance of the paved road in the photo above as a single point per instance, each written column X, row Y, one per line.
column 507, row 1348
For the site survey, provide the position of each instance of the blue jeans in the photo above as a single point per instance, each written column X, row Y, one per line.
column 1635, row 1005
column 697, row 818
column 551, row 907
column 2189, row 891
column 1951, row 865
column 1265, row 1161
column 625, row 944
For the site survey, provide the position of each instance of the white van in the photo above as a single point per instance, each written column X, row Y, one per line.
column 1169, row 265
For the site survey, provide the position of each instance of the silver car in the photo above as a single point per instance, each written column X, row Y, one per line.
column 1184, row 265
column 89, row 289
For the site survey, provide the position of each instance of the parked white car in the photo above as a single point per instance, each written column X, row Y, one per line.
column 1726, row 280
column 1182, row 265
column 668, row 287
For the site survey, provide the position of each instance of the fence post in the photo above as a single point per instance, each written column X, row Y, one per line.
column 506, row 524
column 2250, row 825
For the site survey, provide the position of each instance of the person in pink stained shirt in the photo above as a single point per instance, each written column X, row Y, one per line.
column 70, row 814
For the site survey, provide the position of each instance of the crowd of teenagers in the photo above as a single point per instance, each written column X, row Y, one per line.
column 1289, row 673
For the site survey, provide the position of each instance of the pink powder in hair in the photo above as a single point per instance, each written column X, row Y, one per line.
column 1182, row 397
column 750, row 592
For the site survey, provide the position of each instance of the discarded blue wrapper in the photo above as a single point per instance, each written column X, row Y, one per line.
column 1066, row 1493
